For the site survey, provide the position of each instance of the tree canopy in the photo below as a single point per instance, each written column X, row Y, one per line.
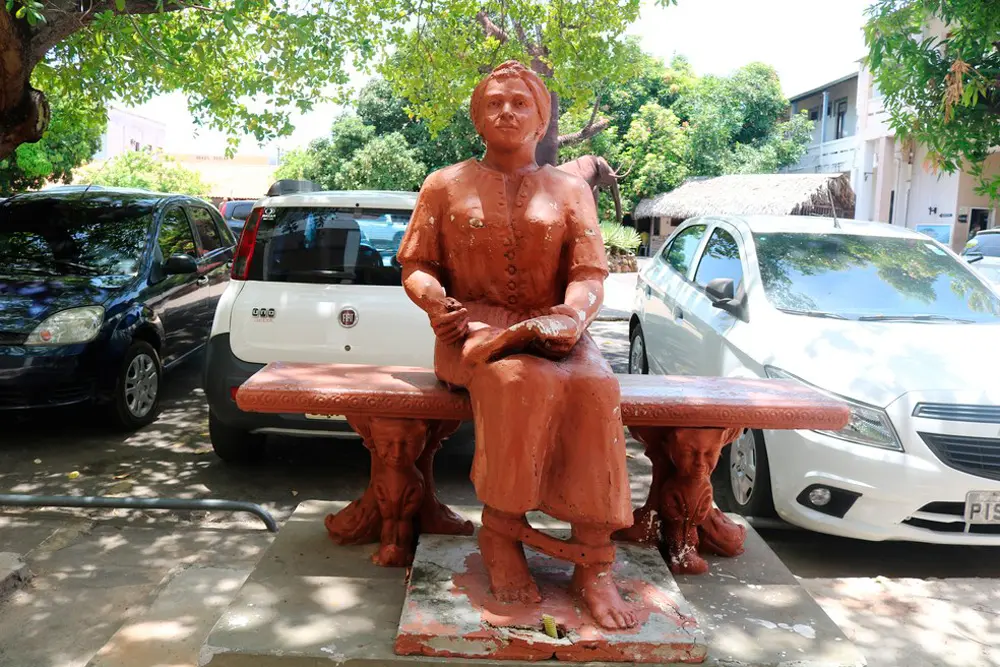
column 661, row 126
column 72, row 138
column 144, row 170
column 441, row 50
column 941, row 87
column 244, row 65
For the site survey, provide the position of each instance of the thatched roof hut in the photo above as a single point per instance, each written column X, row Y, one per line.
column 749, row 194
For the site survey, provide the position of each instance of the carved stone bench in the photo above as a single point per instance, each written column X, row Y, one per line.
column 403, row 414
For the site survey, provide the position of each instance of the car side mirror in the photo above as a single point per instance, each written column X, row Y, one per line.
column 180, row 264
column 722, row 292
column 721, row 289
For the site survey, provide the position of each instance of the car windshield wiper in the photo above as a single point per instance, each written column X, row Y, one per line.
column 813, row 313
column 912, row 318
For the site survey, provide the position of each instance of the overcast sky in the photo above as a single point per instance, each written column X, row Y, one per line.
column 809, row 42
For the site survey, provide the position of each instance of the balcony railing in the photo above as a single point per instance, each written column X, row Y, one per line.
column 827, row 158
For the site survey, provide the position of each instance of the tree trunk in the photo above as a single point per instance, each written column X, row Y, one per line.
column 547, row 151
column 24, row 111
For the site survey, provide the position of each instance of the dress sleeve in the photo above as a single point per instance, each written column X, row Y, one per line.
column 421, row 242
column 586, row 245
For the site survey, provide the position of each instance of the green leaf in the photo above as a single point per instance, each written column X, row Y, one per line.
column 120, row 5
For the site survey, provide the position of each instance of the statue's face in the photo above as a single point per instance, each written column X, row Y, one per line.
column 510, row 114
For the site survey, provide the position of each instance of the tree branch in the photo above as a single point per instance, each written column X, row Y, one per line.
column 149, row 45
column 490, row 28
column 591, row 130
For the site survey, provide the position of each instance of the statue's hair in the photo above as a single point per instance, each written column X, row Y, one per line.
column 512, row 68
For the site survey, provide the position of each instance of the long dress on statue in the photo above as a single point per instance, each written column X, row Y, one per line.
column 549, row 434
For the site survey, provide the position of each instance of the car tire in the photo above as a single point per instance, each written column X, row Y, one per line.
column 638, row 363
column 233, row 445
column 136, row 399
column 742, row 478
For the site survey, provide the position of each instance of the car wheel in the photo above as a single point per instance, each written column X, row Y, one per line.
column 234, row 445
column 637, row 362
column 743, row 477
column 136, row 399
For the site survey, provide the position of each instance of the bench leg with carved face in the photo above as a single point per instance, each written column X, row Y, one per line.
column 687, row 497
column 679, row 510
column 400, row 493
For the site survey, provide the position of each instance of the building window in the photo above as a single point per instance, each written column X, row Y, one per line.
column 840, row 107
column 814, row 113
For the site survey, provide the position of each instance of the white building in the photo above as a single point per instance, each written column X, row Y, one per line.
column 128, row 131
column 892, row 184
column 889, row 177
column 833, row 109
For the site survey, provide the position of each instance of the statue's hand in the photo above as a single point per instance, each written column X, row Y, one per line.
column 449, row 320
column 559, row 332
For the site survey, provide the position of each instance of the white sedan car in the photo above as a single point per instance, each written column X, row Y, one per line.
column 882, row 317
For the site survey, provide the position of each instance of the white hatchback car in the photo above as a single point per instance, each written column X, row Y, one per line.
column 882, row 317
column 314, row 279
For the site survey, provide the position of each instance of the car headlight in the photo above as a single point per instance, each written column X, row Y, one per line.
column 868, row 425
column 76, row 325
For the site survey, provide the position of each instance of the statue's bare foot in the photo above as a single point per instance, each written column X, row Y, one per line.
column 510, row 580
column 645, row 528
column 685, row 560
column 596, row 587
column 437, row 518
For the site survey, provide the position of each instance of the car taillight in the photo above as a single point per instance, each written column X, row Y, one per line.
column 222, row 208
column 244, row 251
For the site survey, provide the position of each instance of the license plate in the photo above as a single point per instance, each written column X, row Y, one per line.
column 982, row 507
column 336, row 418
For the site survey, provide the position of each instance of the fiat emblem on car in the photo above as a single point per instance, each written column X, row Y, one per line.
column 348, row 317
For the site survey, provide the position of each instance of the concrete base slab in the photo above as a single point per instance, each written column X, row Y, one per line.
column 449, row 611
column 311, row 603
column 13, row 572
column 171, row 631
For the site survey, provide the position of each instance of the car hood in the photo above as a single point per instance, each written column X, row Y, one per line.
column 877, row 362
column 27, row 300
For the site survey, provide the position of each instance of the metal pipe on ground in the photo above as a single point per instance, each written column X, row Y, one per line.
column 24, row 500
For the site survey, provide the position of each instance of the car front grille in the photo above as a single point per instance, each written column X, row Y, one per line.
column 948, row 517
column 12, row 338
column 979, row 414
column 976, row 456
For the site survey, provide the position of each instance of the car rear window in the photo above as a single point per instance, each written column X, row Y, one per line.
column 987, row 245
column 329, row 245
column 239, row 210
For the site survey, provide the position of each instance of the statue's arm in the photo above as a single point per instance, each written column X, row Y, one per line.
column 588, row 264
column 420, row 256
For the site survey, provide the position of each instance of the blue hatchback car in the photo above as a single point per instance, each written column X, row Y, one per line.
column 101, row 291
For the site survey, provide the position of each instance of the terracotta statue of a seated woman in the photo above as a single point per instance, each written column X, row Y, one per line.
column 507, row 259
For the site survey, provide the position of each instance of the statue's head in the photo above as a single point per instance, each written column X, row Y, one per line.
column 511, row 106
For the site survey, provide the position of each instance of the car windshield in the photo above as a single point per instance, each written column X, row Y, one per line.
column 98, row 236
column 870, row 277
column 329, row 245
column 991, row 272
column 987, row 245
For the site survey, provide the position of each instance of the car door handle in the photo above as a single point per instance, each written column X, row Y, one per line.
column 202, row 281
